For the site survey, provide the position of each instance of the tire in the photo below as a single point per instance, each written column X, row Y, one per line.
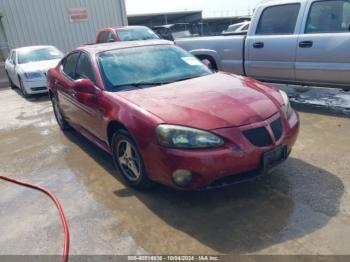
column 23, row 90
column 12, row 85
column 128, row 161
column 209, row 62
column 63, row 124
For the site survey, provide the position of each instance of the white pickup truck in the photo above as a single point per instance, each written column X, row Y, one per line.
column 304, row 42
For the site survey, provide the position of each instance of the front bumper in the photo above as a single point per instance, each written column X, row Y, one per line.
column 238, row 156
column 36, row 87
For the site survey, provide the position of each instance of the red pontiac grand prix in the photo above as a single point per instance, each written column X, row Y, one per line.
column 166, row 118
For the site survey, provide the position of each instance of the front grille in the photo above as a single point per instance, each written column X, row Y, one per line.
column 277, row 129
column 39, row 88
column 258, row 137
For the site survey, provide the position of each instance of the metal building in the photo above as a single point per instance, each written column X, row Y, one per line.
column 65, row 24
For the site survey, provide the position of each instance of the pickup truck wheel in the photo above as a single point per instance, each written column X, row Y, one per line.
column 23, row 90
column 209, row 62
column 128, row 160
column 12, row 85
column 58, row 115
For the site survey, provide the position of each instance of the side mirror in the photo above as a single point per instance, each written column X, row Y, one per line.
column 86, row 86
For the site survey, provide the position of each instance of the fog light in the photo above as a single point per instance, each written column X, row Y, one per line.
column 182, row 177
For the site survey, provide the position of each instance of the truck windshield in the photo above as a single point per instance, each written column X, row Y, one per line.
column 148, row 66
column 40, row 54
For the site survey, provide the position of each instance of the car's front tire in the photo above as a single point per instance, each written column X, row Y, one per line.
column 58, row 115
column 23, row 90
column 128, row 160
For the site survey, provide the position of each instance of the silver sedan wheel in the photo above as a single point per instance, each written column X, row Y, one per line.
column 129, row 160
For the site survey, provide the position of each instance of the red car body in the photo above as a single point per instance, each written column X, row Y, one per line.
column 224, row 104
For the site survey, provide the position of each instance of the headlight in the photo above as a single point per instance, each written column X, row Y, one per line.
column 185, row 137
column 287, row 108
column 33, row 75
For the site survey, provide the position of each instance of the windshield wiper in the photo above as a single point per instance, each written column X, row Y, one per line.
column 139, row 84
column 187, row 78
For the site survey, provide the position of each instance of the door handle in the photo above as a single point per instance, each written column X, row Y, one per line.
column 74, row 93
column 258, row 45
column 306, row 44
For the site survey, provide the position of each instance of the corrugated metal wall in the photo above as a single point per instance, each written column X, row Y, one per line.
column 37, row 22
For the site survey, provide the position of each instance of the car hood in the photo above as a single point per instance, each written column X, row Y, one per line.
column 42, row 66
column 211, row 102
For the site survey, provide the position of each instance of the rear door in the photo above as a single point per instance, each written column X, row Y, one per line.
column 323, row 53
column 65, row 86
column 271, row 43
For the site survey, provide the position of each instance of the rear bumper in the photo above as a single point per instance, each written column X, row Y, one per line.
column 236, row 157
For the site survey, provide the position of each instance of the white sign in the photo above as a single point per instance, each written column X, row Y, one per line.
column 79, row 14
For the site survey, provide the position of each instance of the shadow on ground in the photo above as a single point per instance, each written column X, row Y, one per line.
column 295, row 200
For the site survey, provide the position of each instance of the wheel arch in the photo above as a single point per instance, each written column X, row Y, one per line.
column 211, row 55
column 114, row 126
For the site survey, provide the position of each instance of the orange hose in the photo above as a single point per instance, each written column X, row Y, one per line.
column 59, row 207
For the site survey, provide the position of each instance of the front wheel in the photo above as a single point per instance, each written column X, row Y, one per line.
column 128, row 160
column 58, row 115
column 23, row 90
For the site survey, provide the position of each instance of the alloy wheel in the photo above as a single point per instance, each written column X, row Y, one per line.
column 129, row 160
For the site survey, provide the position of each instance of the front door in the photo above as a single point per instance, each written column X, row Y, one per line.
column 11, row 68
column 323, row 52
column 88, row 115
column 270, row 49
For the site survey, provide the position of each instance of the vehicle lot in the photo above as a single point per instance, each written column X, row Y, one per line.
column 303, row 207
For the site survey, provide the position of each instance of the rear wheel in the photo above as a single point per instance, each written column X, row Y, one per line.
column 209, row 62
column 23, row 90
column 128, row 160
column 58, row 114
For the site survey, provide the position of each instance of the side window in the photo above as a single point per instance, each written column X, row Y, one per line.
column 245, row 28
column 110, row 38
column 328, row 17
column 13, row 57
column 10, row 56
column 278, row 20
column 70, row 64
column 84, row 68
column 101, row 37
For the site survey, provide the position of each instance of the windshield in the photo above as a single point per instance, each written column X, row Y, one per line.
column 37, row 55
column 149, row 65
column 134, row 34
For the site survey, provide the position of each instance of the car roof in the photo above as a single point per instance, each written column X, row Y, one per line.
column 239, row 24
column 123, row 27
column 169, row 25
column 33, row 47
column 279, row 2
column 97, row 48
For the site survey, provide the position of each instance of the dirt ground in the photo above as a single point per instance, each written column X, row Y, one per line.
column 302, row 208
